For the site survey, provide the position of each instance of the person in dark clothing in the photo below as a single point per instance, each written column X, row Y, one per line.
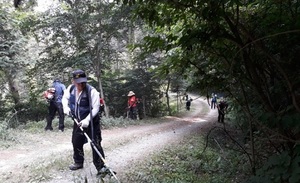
column 213, row 101
column 82, row 101
column 186, row 97
column 222, row 106
column 188, row 103
column 54, row 97
column 102, row 107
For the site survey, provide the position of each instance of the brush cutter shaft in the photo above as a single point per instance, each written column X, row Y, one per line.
column 95, row 148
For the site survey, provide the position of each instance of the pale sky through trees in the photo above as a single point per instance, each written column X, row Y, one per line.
column 43, row 5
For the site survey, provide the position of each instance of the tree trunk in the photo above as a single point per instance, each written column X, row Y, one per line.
column 13, row 89
column 167, row 95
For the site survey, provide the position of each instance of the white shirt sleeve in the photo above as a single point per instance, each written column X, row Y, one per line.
column 65, row 100
column 95, row 100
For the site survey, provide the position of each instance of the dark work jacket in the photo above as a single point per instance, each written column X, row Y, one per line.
column 83, row 108
column 222, row 105
column 80, row 112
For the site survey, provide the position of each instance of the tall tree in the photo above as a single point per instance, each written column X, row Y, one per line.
column 12, row 48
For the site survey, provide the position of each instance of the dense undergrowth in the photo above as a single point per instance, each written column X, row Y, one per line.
column 192, row 161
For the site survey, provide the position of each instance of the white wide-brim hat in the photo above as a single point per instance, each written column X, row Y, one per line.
column 130, row 94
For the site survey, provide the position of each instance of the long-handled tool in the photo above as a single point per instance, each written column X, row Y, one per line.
column 95, row 148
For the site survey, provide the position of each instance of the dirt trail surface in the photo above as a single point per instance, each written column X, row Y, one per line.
column 123, row 147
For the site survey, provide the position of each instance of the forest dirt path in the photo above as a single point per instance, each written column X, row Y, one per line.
column 44, row 157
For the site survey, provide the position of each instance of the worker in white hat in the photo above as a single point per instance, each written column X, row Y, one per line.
column 132, row 105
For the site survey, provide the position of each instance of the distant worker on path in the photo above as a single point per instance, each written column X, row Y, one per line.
column 54, row 97
column 188, row 103
column 222, row 107
column 102, row 107
column 213, row 101
column 132, row 100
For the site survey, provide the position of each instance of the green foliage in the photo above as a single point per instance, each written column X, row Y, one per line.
column 186, row 163
column 115, row 122
column 34, row 126
column 7, row 136
column 33, row 111
column 245, row 50
column 79, row 35
column 4, row 132
column 117, row 90
column 278, row 168
column 158, row 110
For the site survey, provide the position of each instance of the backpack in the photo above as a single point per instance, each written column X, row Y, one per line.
column 54, row 93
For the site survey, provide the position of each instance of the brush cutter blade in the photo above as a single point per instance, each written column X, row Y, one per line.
column 104, row 172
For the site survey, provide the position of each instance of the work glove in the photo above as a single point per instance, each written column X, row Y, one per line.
column 67, row 111
column 84, row 123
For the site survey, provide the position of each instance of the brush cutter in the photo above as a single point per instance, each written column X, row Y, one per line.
column 96, row 149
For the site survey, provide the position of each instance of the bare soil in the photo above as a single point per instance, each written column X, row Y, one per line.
column 124, row 148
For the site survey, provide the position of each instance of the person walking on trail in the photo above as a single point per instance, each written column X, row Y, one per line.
column 82, row 101
column 54, row 97
column 213, row 101
column 132, row 105
column 222, row 107
column 102, row 107
column 186, row 96
column 188, row 103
